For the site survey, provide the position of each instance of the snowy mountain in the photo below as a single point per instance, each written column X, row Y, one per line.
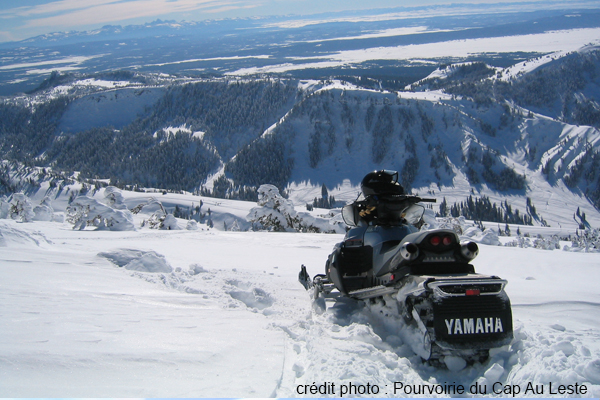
column 395, row 46
column 466, row 130
column 463, row 137
column 494, row 103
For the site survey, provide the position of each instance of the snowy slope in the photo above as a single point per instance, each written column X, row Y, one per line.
column 448, row 136
column 441, row 133
column 115, row 108
column 225, row 317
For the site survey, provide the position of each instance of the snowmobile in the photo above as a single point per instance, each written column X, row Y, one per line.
column 452, row 310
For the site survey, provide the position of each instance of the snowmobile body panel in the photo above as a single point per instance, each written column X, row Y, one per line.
column 365, row 256
column 461, row 311
column 385, row 241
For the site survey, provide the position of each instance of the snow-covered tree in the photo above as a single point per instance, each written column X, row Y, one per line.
column 457, row 224
column 276, row 213
column 170, row 223
column 160, row 219
column 192, row 225
column 474, row 233
column 44, row 211
column 20, row 208
column 273, row 213
column 155, row 221
column 85, row 211
column 114, row 198
column 4, row 207
column 549, row 243
column 587, row 240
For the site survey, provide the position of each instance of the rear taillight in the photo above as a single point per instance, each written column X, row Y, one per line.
column 445, row 240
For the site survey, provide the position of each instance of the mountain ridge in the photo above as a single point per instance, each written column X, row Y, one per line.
column 462, row 138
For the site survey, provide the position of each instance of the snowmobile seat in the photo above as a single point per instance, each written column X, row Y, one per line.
column 390, row 212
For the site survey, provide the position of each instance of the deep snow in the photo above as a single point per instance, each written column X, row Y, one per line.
column 223, row 315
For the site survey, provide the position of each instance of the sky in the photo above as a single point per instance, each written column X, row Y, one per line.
column 28, row 18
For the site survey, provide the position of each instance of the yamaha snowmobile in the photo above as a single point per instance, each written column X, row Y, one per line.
column 452, row 310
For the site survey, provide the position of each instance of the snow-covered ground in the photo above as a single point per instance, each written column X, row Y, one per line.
column 547, row 42
column 223, row 315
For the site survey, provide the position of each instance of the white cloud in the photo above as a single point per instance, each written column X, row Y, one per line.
column 89, row 12
column 61, row 6
column 6, row 36
column 440, row 8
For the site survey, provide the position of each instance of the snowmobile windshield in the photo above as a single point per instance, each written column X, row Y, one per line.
column 393, row 175
column 413, row 214
column 350, row 215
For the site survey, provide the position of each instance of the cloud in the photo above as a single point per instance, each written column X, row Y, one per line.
column 68, row 5
column 6, row 36
column 225, row 8
column 54, row 7
column 88, row 12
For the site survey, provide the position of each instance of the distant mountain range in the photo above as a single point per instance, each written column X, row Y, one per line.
column 395, row 46
column 529, row 131
column 310, row 106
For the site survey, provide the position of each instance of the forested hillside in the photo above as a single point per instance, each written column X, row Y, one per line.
column 174, row 144
column 340, row 133
column 566, row 89
column 472, row 121
column 496, row 130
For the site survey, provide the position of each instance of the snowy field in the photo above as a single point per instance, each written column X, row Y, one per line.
column 547, row 42
column 212, row 313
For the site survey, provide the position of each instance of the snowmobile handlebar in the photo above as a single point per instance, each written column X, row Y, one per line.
column 421, row 200
column 381, row 210
column 409, row 199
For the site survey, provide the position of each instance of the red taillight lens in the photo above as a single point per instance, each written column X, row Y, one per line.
column 447, row 240
column 472, row 292
column 435, row 240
